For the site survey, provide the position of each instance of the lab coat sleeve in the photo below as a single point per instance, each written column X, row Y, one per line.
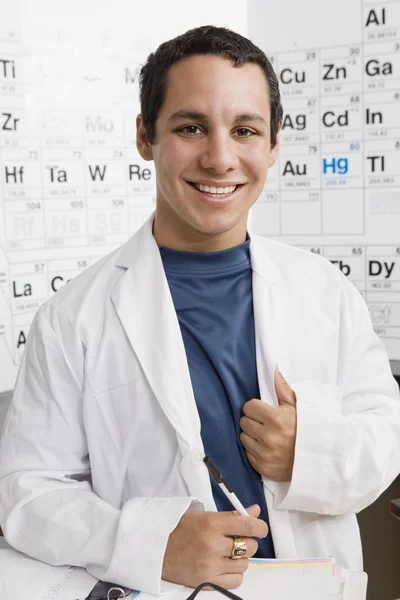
column 347, row 448
column 48, row 509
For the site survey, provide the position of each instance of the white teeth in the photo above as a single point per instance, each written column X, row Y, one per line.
column 215, row 190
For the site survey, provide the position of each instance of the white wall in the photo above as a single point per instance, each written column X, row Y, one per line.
column 140, row 26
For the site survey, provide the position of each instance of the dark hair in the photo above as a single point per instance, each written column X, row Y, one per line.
column 202, row 40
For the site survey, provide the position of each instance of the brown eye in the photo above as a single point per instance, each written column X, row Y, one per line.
column 246, row 131
column 189, row 129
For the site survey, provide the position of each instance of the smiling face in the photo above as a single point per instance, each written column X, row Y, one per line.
column 213, row 130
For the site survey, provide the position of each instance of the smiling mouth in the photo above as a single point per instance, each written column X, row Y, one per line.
column 214, row 192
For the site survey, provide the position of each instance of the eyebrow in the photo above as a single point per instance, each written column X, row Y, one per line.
column 199, row 116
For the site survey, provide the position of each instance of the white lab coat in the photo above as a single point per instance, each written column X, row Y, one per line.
column 101, row 451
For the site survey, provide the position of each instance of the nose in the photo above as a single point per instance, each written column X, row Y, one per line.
column 220, row 153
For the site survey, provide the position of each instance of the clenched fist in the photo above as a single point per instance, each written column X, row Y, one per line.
column 269, row 432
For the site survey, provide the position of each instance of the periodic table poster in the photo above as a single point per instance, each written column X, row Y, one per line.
column 335, row 190
column 72, row 184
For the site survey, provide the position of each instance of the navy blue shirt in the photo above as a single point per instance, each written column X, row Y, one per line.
column 212, row 295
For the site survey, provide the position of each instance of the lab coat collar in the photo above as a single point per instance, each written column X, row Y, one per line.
column 143, row 243
column 261, row 262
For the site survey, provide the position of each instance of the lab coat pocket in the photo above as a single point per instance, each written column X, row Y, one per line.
column 131, row 442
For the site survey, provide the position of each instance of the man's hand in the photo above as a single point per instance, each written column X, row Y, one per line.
column 200, row 547
column 269, row 432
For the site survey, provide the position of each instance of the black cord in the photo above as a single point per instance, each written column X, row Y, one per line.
column 216, row 587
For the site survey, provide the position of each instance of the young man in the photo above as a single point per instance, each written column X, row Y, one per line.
column 193, row 338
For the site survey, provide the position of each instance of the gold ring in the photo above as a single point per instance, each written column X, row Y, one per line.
column 239, row 548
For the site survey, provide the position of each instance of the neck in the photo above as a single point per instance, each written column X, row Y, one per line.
column 180, row 236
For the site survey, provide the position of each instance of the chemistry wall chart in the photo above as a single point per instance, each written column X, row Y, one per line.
column 336, row 188
column 72, row 184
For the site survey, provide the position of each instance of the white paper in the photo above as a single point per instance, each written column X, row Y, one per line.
column 258, row 586
column 289, row 567
column 22, row 577
column 355, row 585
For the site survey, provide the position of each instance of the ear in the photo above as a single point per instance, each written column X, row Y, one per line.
column 143, row 145
column 274, row 151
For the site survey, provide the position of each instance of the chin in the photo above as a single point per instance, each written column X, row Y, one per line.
column 214, row 225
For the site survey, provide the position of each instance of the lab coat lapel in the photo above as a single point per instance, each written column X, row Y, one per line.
column 269, row 302
column 145, row 307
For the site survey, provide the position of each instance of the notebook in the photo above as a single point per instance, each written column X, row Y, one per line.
column 310, row 579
